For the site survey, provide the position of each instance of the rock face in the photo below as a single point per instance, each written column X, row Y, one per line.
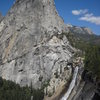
column 79, row 30
column 31, row 46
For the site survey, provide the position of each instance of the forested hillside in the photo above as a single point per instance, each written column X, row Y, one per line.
column 92, row 60
column 11, row 91
column 90, row 45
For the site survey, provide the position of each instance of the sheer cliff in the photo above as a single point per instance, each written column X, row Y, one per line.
column 32, row 49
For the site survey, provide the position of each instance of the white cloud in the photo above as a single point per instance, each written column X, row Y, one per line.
column 91, row 18
column 86, row 16
column 79, row 12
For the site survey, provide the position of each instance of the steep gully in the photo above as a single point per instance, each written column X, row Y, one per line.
column 72, row 84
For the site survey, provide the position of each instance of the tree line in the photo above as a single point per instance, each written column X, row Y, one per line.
column 92, row 60
column 12, row 91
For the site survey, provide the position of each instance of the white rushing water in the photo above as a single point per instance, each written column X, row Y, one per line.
column 72, row 84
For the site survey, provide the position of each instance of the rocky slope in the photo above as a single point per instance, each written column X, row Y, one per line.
column 81, row 37
column 32, row 49
column 79, row 30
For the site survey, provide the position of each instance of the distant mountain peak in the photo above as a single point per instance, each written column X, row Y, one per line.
column 79, row 30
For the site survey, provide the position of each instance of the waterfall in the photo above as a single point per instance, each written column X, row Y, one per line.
column 72, row 84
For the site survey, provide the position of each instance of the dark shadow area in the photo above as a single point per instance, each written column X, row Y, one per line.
column 96, row 97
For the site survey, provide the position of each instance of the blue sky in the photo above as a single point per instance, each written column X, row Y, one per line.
column 75, row 12
column 89, row 15
column 5, row 5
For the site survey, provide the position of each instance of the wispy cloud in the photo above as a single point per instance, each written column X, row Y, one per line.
column 91, row 18
column 86, row 16
column 79, row 12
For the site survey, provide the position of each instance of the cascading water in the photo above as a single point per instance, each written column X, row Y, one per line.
column 72, row 84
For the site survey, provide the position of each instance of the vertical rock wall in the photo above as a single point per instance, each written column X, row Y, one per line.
column 30, row 49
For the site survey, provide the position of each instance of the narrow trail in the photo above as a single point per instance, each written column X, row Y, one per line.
column 72, row 85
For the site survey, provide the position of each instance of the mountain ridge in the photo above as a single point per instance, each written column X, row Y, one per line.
column 79, row 30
